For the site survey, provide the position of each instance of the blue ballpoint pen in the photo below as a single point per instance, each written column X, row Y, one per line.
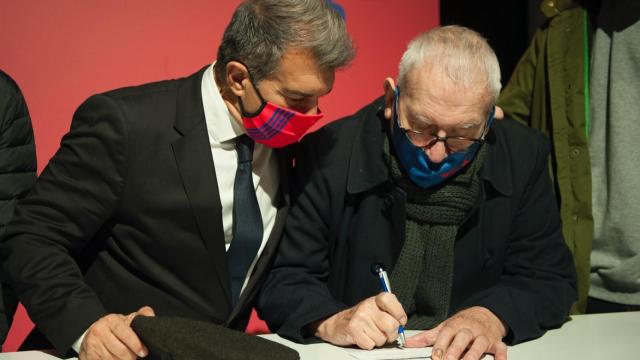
column 386, row 287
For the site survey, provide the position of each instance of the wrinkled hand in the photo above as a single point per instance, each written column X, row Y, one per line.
column 372, row 322
column 111, row 337
column 476, row 330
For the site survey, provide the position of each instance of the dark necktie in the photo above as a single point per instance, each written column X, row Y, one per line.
column 247, row 222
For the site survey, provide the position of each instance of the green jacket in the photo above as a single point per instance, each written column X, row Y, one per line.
column 547, row 91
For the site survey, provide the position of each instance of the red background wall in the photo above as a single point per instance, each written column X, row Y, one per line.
column 62, row 51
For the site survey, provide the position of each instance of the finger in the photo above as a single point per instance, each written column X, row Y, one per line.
column 116, row 348
column 92, row 348
column 442, row 342
column 364, row 332
column 387, row 325
column 478, row 348
column 143, row 311
column 94, row 354
column 146, row 311
column 129, row 319
column 499, row 349
column 499, row 113
column 462, row 339
column 423, row 339
column 126, row 335
column 371, row 331
column 363, row 340
column 389, row 303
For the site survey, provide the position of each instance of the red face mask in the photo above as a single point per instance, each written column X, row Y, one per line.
column 275, row 126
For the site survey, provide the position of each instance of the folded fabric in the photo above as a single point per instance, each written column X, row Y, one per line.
column 172, row 338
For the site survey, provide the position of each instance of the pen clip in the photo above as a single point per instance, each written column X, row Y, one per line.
column 376, row 268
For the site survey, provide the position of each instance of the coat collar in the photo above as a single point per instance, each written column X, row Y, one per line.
column 189, row 107
column 368, row 169
column 192, row 152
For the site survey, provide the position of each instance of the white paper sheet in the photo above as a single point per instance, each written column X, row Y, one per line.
column 390, row 352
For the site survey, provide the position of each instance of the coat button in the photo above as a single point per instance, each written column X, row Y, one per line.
column 575, row 152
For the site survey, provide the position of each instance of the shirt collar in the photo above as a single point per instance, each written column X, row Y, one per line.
column 221, row 125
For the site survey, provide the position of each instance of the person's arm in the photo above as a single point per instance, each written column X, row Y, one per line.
column 17, row 173
column 538, row 282
column 17, row 149
column 296, row 300
column 72, row 200
column 295, row 293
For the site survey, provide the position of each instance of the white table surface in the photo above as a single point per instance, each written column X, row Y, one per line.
column 614, row 336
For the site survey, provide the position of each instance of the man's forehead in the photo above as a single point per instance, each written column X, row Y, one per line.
column 443, row 109
column 299, row 72
column 435, row 89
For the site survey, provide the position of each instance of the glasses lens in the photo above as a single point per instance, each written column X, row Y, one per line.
column 458, row 145
column 452, row 144
column 420, row 140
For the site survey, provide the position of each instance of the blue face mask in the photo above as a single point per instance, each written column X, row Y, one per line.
column 421, row 170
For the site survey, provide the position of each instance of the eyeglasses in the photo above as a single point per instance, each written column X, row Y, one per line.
column 452, row 143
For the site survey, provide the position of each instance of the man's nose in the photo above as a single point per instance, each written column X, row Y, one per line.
column 437, row 152
column 309, row 107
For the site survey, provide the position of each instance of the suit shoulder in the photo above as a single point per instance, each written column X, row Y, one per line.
column 156, row 90
column 7, row 85
column 148, row 89
column 345, row 129
column 515, row 134
column 520, row 148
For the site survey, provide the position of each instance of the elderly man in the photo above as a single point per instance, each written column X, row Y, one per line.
column 158, row 201
column 459, row 208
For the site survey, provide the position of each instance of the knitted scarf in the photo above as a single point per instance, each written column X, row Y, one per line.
column 422, row 276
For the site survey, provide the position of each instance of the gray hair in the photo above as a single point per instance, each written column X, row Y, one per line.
column 261, row 31
column 459, row 53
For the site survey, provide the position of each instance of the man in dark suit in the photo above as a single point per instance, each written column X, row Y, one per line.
column 170, row 197
column 459, row 208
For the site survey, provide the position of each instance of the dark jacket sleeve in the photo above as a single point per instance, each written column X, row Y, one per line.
column 296, row 293
column 74, row 197
column 17, row 149
column 538, row 282
column 17, row 172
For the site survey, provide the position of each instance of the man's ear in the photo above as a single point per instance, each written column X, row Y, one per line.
column 389, row 87
column 499, row 115
column 237, row 78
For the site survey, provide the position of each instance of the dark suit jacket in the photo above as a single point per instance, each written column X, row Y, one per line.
column 132, row 196
column 509, row 255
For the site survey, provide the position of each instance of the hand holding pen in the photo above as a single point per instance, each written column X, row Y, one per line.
column 373, row 322
column 378, row 269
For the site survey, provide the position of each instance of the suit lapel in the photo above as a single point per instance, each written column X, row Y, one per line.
column 195, row 163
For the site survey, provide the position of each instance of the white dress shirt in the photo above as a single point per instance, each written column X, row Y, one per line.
column 223, row 129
